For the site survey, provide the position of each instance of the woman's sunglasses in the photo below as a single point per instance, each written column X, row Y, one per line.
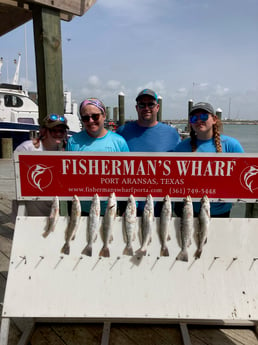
column 94, row 117
column 202, row 117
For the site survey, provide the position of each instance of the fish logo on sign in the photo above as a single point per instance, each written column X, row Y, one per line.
column 249, row 178
column 40, row 176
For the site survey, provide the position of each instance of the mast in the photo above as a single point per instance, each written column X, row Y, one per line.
column 1, row 64
column 17, row 72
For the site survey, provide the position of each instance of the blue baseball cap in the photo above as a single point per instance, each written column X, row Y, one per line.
column 147, row 92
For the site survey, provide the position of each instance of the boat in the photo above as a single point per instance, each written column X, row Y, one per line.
column 19, row 113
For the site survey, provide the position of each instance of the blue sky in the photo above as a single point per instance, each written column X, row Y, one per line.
column 203, row 50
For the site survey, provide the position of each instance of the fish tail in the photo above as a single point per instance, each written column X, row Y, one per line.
column 198, row 253
column 66, row 249
column 45, row 234
column 164, row 251
column 87, row 250
column 128, row 251
column 141, row 252
column 183, row 255
column 104, row 252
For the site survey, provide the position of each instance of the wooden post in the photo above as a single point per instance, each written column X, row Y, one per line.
column 190, row 105
column 115, row 114
column 108, row 110
column 219, row 113
column 48, row 51
column 7, row 147
column 159, row 117
column 121, row 107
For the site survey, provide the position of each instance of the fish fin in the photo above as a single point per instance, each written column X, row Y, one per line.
column 198, row 253
column 128, row 251
column 149, row 241
column 182, row 256
column 104, row 252
column 72, row 239
column 66, row 249
column 95, row 238
column 164, row 251
column 87, row 250
column 168, row 238
column 189, row 242
column 111, row 238
column 141, row 252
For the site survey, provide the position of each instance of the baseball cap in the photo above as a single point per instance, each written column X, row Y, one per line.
column 147, row 92
column 54, row 120
column 202, row 106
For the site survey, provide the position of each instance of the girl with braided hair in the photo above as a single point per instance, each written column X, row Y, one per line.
column 205, row 136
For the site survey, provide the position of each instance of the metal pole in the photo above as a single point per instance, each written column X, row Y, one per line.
column 190, row 105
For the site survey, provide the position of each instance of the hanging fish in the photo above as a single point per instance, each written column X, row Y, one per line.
column 186, row 228
column 93, row 225
column 108, row 224
column 53, row 217
column 130, row 223
column 204, row 223
column 165, row 218
column 72, row 225
column 147, row 224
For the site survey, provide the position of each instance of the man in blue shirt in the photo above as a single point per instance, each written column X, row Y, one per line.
column 147, row 134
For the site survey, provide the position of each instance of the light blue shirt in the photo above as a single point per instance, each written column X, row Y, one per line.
column 111, row 142
column 228, row 144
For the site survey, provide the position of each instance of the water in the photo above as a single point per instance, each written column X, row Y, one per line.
column 247, row 135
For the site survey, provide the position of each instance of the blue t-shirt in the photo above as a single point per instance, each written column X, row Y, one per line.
column 111, row 142
column 159, row 138
column 228, row 144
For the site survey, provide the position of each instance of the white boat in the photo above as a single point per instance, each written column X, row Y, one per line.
column 19, row 113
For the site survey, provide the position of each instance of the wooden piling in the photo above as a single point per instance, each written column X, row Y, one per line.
column 7, row 147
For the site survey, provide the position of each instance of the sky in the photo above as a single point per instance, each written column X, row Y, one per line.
column 200, row 50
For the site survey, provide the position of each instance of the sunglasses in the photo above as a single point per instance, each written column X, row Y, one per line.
column 55, row 117
column 144, row 105
column 202, row 117
column 57, row 130
column 94, row 117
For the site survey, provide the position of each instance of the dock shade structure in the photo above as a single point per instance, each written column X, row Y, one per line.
column 16, row 13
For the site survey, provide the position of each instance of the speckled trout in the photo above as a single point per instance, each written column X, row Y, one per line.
column 108, row 224
column 165, row 218
column 186, row 228
column 130, row 223
column 72, row 225
column 93, row 225
column 204, row 223
column 147, row 224
column 53, row 217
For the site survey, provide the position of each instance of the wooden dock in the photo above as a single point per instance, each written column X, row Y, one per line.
column 112, row 333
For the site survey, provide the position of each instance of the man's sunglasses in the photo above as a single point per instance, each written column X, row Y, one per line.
column 202, row 117
column 150, row 105
column 94, row 117
column 55, row 117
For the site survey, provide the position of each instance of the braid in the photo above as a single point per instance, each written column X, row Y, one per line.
column 216, row 135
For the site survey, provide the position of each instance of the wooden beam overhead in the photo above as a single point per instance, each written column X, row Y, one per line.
column 15, row 13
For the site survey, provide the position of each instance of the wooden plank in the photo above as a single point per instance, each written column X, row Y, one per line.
column 105, row 334
column 5, row 324
column 185, row 334
column 226, row 336
column 77, row 7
